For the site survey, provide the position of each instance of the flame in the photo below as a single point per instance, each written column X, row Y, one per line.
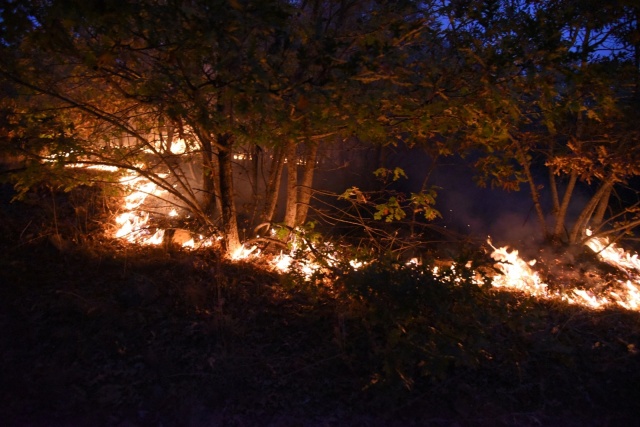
column 178, row 146
column 133, row 221
column 615, row 256
column 244, row 252
column 519, row 275
column 296, row 258
column 307, row 264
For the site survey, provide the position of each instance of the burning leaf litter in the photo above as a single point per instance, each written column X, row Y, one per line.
column 519, row 275
column 516, row 273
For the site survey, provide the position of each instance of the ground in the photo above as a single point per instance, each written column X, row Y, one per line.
column 95, row 332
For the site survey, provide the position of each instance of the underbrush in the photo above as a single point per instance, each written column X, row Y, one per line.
column 102, row 333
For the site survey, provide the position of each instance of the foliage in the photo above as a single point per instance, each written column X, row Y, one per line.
column 389, row 211
column 560, row 100
column 394, row 204
column 411, row 320
column 395, row 174
column 423, row 202
column 215, row 75
column 515, row 87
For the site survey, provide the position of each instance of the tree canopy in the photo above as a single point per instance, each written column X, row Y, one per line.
column 516, row 86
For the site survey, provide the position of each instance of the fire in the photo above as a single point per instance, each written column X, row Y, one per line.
column 519, row 275
column 244, row 252
column 133, row 221
column 295, row 258
column 613, row 255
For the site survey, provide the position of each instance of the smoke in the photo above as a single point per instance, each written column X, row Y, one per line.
column 467, row 209
column 483, row 212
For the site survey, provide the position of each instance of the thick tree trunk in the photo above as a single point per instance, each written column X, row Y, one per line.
column 601, row 210
column 228, row 205
column 587, row 212
column 292, row 185
column 306, row 186
column 273, row 185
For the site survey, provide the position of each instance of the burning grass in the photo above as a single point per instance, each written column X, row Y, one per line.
column 107, row 333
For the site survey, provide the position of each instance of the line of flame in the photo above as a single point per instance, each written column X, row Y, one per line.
column 517, row 274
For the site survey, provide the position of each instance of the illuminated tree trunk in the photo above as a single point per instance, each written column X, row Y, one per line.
column 273, row 184
column 306, row 186
column 587, row 212
column 564, row 207
column 292, row 185
column 215, row 176
column 228, row 205
column 601, row 210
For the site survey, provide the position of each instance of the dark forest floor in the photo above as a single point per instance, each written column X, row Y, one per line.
column 101, row 334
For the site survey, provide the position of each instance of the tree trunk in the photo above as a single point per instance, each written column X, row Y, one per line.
column 215, row 173
column 305, row 188
column 601, row 210
column 167, row 142
column 256, row 151
column 583, row 219
column 229, row 215
column 208, row 184
column 553, row 183
column 273, row 185
column 561, row 214
column 535, row 194
column 292, row 185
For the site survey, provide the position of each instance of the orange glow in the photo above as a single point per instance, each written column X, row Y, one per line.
column 517, row 274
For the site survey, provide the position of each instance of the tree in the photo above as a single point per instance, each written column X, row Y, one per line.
column 549, row 69
column 195, row 67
